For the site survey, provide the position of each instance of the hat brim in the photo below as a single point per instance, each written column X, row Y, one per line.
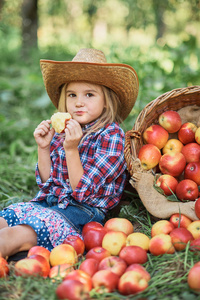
column 121, row 78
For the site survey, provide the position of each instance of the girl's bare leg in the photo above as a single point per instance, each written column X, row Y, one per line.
column 16, row 238
column 3, row 223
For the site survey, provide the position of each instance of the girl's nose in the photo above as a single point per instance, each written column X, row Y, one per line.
column 79, row 102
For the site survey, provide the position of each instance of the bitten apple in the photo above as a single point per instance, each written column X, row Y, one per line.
column 132, row 282
column 187, row 190
column 186, row 133
column 114, row 241
column 167, row 183
column 192, row 171
column 179, row 220
column 161, row 226
column 58, row 121
column 172, row 145
column 172, row 164
column 191, row 152
column 149, row 155
column 119, row 224
column 161, row 244
column 180, row 237
column 170, row 120
column 156, row 135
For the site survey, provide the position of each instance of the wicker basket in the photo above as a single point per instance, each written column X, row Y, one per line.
column 142, row 180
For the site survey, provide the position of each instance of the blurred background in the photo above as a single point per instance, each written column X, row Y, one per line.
column 160, row 39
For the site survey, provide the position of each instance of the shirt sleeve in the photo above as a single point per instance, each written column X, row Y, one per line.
column 104, row 175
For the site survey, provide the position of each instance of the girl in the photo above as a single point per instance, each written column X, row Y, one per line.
column 81, row 173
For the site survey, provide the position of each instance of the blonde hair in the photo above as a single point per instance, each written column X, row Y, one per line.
column 110, row 112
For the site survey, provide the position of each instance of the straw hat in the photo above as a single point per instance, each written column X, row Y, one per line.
column 90, row 65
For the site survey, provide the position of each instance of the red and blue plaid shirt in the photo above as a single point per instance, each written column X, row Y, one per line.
column 102, row 158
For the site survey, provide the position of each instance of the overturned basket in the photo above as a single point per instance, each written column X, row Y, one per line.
column 142, row 180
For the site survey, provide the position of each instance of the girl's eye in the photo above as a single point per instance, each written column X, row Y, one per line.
column 89, row 94
column 71, row 95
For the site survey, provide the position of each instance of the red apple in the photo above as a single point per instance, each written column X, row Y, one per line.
column 197, row 208
column 114, row 241
column 161, row 244
column 114, row 263
column 119, row 224
column 28, row 267
column 179, row 220
column 172, row 145
column 194, row 228
column 105, row 281
column 4, row 269
column 90, row 225
column 97, row 253
column 132, row 282
column 193, row 278
column 170, row 120
column 156, row 135
column 187, row 190
column 63, row 253
column 197, row 135
column 186, row 133
column 93, row 237
column 60, row 271
column 195, row 245
column 180, row 237
column 192, row 171
column 167, row 183
column 149, row 155
column 72, row 290
column 172, row 164
column 133, row 255
column 90, row 266
column 161, row 226
column 139, row 268
column 191, row 152
column 81, row 276
column 44, row 264
column 76, row 242
column 40, row 251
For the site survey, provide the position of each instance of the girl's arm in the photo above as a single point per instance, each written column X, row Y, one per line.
column 43, row 136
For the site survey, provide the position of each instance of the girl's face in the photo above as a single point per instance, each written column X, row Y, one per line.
column 85, row 101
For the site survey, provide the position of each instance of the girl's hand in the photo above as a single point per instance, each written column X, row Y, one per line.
column 43, row 134
column 73, row 135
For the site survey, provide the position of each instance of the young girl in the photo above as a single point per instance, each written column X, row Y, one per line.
column 81, row 173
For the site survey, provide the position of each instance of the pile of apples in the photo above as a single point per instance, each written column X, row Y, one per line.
column 173, row 149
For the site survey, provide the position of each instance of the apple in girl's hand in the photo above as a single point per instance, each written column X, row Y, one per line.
column 138, row 239
column 90, row 225
column 76, row 242
column 98, row 253
column 133, row 255
column 72, row 289
column 186, row 133
column 197, row 135
column 40, row 251
column 161, row 226
column 170, row 120
column 114, row 263
column 197, row 208
column 114, row 241
column 28, row 267
column 167, row 183
column 44, row 264
column 161, row 244
column 58, row 121
column 132, row 282
column 193, row 278
column 172, row 163
column 179, row 220
column 105, row 281
column 93, row 237
column 156, row 135
column 149, row 155
column 187, row 190
column 90, row 266
column 119, row 224
column 140, row 269
column 180, row 237
column 172, row 145
column 81, row 276
column 194, row 228
column 4, row 269
column 191, row 152
column 192, row 171
column 60, row 271
column 63, row 253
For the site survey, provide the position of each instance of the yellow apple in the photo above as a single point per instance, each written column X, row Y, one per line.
column 114, row 241
column 161, row 226
column 138, row 239
column 119, row 224
column 63, row 254
column 194, row 228
column 172, row 145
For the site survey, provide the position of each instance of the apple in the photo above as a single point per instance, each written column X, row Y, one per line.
column 44, row 264
column 60, row 271
column 197, row 208
column 172, row 163
column 105, row 281
column 187, row 190
column 114, row 263
column 194, row 228
column 179, row 220
column 40, row 251
column 93, row 237
column 172, row 145
column 193, row 278
column 76, row 242
column 195, row 245
column 4, row 268
column 161, row 226
column 192, row 171
column 149, row 155
column 81, row 276
column 28, row 267
column 197, row 135
column 133, row 255
column 132, row 282
column 59, row 121
column 119, row 224
column 191, row 152
column 63, row 253
column 114, row 241
column 72, row 290
column 161, row 244
column 186, row 133
column 138, row 239
column 90, row 266
column 180, row 237
column 170, row 120
column 140, row 269
column 167, row 183
column 156, row 135
column 97, row 253
column 90, row 225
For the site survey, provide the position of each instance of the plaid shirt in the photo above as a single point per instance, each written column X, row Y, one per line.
column 102, row 158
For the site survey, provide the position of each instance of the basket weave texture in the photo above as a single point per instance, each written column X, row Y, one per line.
column 172, row 100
